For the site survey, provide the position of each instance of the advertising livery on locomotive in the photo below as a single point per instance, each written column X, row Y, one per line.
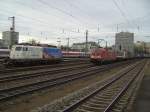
column 27, row 53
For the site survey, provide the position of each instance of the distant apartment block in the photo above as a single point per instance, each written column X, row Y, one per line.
column 142, row 48
column 1, row 43
column 124, row 43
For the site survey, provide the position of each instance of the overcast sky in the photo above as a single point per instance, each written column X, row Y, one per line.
column 48, row 21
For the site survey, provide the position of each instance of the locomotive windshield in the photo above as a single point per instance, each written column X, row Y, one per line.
column 18, row 48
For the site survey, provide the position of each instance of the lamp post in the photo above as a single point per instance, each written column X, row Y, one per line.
column 99, row 41
column 86, row 42
column 68, row 41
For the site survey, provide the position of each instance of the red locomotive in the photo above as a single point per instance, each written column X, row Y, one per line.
column 101, row 55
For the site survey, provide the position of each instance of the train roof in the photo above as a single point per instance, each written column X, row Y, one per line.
column 24, row 46
column 20, row 45
column 102, row 49
column 41, row 45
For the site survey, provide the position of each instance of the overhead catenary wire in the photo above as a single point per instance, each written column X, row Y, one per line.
column 41, row 9
column 44, row 23
column 136, row 25
column 60, row 10
column 41, row 22
column 77, row 8
column 120, row 10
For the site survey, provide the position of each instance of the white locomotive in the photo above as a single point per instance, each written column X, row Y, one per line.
column 27, row 53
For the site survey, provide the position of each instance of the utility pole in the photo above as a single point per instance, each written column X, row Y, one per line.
column 59, row 43
column 28, row 36
column 13, row 23
column 106, row 44
column 78, row 30
column 98, row 28
column 99, row 41
column 117, row 27
column 138, row 28
column 63, row 31
column 68, row 39
column 86, row 46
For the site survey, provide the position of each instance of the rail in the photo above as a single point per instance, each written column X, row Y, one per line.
column 104, row 108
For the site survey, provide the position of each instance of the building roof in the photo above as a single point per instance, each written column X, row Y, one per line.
column 92, row 43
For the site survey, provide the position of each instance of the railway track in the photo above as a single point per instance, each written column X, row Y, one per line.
column 106, row 98
column 7, row 93
column 20, row 69
column 76, row 59
column 1, row 60
column 41, row 72
column 7, row 77
column 1, row 63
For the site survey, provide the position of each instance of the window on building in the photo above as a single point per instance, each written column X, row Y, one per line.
column 120, row 47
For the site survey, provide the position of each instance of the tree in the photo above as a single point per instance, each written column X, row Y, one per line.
column 33, row 42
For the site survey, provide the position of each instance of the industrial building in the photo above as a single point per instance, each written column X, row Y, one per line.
column 9, row 38
column 124, row 43
column 1, row 43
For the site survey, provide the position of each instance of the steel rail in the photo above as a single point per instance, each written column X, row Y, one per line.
column 107, row 84
column 41, row 73
column 123, row 91
column 46, row 72
column 15, row 69
column 21, row 90
column 61, row 76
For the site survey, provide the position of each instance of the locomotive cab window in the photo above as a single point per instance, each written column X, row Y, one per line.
column 25, row 49
column 18, row 48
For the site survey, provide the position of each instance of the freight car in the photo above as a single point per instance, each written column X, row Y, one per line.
column 31, row 54
column 102, row 55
